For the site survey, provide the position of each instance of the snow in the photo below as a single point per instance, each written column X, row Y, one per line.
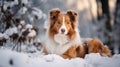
column 19, row 27
column 22, row 10
column 99, row 61
column 5, row 6
column 14, row 29
column 15, row 2
column 37, row 12
column 31, row 19
column 15, row 59
column 11, row 31
column 38, row 40
column 2, row 35
column 22, row 22
column 24, row 1
column 32, row 33
column 6, row 36
column 29, row 26
column 10, row 4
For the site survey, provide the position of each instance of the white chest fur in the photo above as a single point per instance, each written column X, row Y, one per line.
column 60, row 39
column 55, row 48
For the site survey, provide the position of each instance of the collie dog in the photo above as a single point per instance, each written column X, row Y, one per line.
column 62, row 37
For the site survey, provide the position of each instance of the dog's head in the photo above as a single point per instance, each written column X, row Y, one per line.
column 62, row 23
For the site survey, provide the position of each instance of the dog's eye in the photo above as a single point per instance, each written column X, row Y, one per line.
column 68, row 22
column 59, row 23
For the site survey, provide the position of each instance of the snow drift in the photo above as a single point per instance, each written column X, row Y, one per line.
column 10, row 58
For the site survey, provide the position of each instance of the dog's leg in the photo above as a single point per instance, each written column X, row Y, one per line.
column 70, row 53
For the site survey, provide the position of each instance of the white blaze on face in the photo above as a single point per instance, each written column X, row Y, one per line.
column 63, row 29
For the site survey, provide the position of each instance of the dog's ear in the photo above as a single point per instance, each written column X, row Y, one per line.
column 73, row 15
column 54, row 13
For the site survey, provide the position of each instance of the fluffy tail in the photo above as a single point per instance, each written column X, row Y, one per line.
column 96, row 46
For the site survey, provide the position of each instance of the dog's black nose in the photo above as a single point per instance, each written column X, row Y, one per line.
column 62, row 30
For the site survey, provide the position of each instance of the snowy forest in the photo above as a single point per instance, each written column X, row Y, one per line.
column 23, row 24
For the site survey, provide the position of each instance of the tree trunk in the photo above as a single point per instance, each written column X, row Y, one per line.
column 116, row 29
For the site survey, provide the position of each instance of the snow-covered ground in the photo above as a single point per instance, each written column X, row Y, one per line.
column 10, row 58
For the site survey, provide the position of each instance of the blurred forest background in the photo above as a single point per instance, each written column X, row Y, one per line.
column 97, row 18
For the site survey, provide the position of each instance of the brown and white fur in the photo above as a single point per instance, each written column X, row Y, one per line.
column 96, row 46
column 62, row 37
